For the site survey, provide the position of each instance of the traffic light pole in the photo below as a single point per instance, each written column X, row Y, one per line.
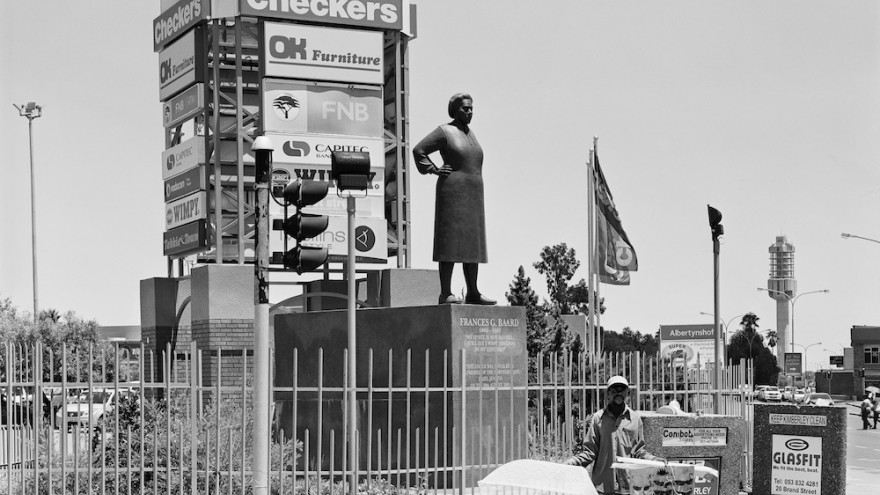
column 263, row 151
column 352, row 351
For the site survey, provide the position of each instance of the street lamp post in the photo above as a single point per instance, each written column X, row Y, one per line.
column 791, row 301
column 853, row 236
column 806, row 348
column 32, row 111
column 724, row 329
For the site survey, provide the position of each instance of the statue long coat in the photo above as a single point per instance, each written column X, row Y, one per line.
column 459, row 215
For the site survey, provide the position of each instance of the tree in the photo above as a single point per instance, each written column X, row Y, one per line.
column 631, row 341
column 58, row 335
column 521, row 294
column 748, row 343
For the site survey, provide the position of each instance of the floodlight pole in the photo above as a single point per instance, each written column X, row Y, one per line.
column 262, row 355
column 352, row 350
column 32, row 111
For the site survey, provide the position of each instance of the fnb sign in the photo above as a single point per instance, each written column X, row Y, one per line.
column 330, row 54
column 377, row 14
column 291, row 108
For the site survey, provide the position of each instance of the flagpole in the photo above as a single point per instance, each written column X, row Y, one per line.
column 595, row 348
column 594, row 258
column 590, row 253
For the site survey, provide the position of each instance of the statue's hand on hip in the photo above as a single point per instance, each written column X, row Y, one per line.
column 443, row 170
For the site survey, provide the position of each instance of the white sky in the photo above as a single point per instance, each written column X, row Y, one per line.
column 769, row 111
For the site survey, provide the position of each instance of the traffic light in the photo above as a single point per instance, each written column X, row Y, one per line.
column 715, row 223
column 302, row 226
column 861, row 372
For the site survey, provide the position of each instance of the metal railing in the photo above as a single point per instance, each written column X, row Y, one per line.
column 105, row 422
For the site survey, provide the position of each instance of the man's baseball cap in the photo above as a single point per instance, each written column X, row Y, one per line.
column 617, row 380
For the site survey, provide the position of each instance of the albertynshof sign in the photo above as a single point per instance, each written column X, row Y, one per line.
column 329, row 54
column 688, row 341
column 376, row 14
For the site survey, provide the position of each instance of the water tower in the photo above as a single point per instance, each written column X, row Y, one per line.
column 782, row 287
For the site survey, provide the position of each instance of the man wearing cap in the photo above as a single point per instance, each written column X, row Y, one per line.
column 615, row 431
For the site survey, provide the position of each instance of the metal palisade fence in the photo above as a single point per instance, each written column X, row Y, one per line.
column 131, row 420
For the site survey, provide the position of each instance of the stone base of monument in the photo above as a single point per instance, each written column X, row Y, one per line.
column 412, row 365
column 799, row 449
column 710, row 440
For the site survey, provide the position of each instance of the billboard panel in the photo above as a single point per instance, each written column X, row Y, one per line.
column 376, row 187
column 181, row 64
column 371, row 241
column 316, row 150
column 185, row 210
column 185, row 240
column 184, row 106
column 185, row 184
column 376, row 14
column 183, row 157
column 793, row 364
column 291, row 107
column 177, row 19
column 687, row 342
column 328, row 54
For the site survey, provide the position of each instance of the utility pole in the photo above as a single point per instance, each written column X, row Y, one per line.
column 717, row 231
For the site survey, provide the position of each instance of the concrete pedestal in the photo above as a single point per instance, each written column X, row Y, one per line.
column 412, row 411
column 711, row 440
column 799, row 450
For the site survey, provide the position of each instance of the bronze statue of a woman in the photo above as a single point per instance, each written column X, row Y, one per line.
column 459, row 216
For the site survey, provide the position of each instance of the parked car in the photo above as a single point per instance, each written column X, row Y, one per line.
column 788, row 393
column 759, row 391
column 91, row 405
column 772, row 393
column 21, row 404
column 818, row 399
column 799, row 395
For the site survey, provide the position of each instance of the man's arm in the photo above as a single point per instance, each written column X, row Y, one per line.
column 591, row 446
column 638, row 449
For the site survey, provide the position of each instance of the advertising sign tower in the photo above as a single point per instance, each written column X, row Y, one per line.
column 313, row 79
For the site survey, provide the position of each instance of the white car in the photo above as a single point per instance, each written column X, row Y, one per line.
column 772, row 393
column 94, row 404
column 788, row 393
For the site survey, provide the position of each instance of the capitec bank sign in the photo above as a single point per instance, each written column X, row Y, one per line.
column 377, row 14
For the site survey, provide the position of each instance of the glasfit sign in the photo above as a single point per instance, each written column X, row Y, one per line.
column 314, row 53
column 177, row 20
column 181, row 64
column 796, row 465
column 378, row 14
column 183, row 157
column 291, row 108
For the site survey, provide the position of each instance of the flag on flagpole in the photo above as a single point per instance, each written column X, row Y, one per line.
column 615, row 254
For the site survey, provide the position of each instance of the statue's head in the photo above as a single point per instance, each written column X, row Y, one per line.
column 456, row 102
